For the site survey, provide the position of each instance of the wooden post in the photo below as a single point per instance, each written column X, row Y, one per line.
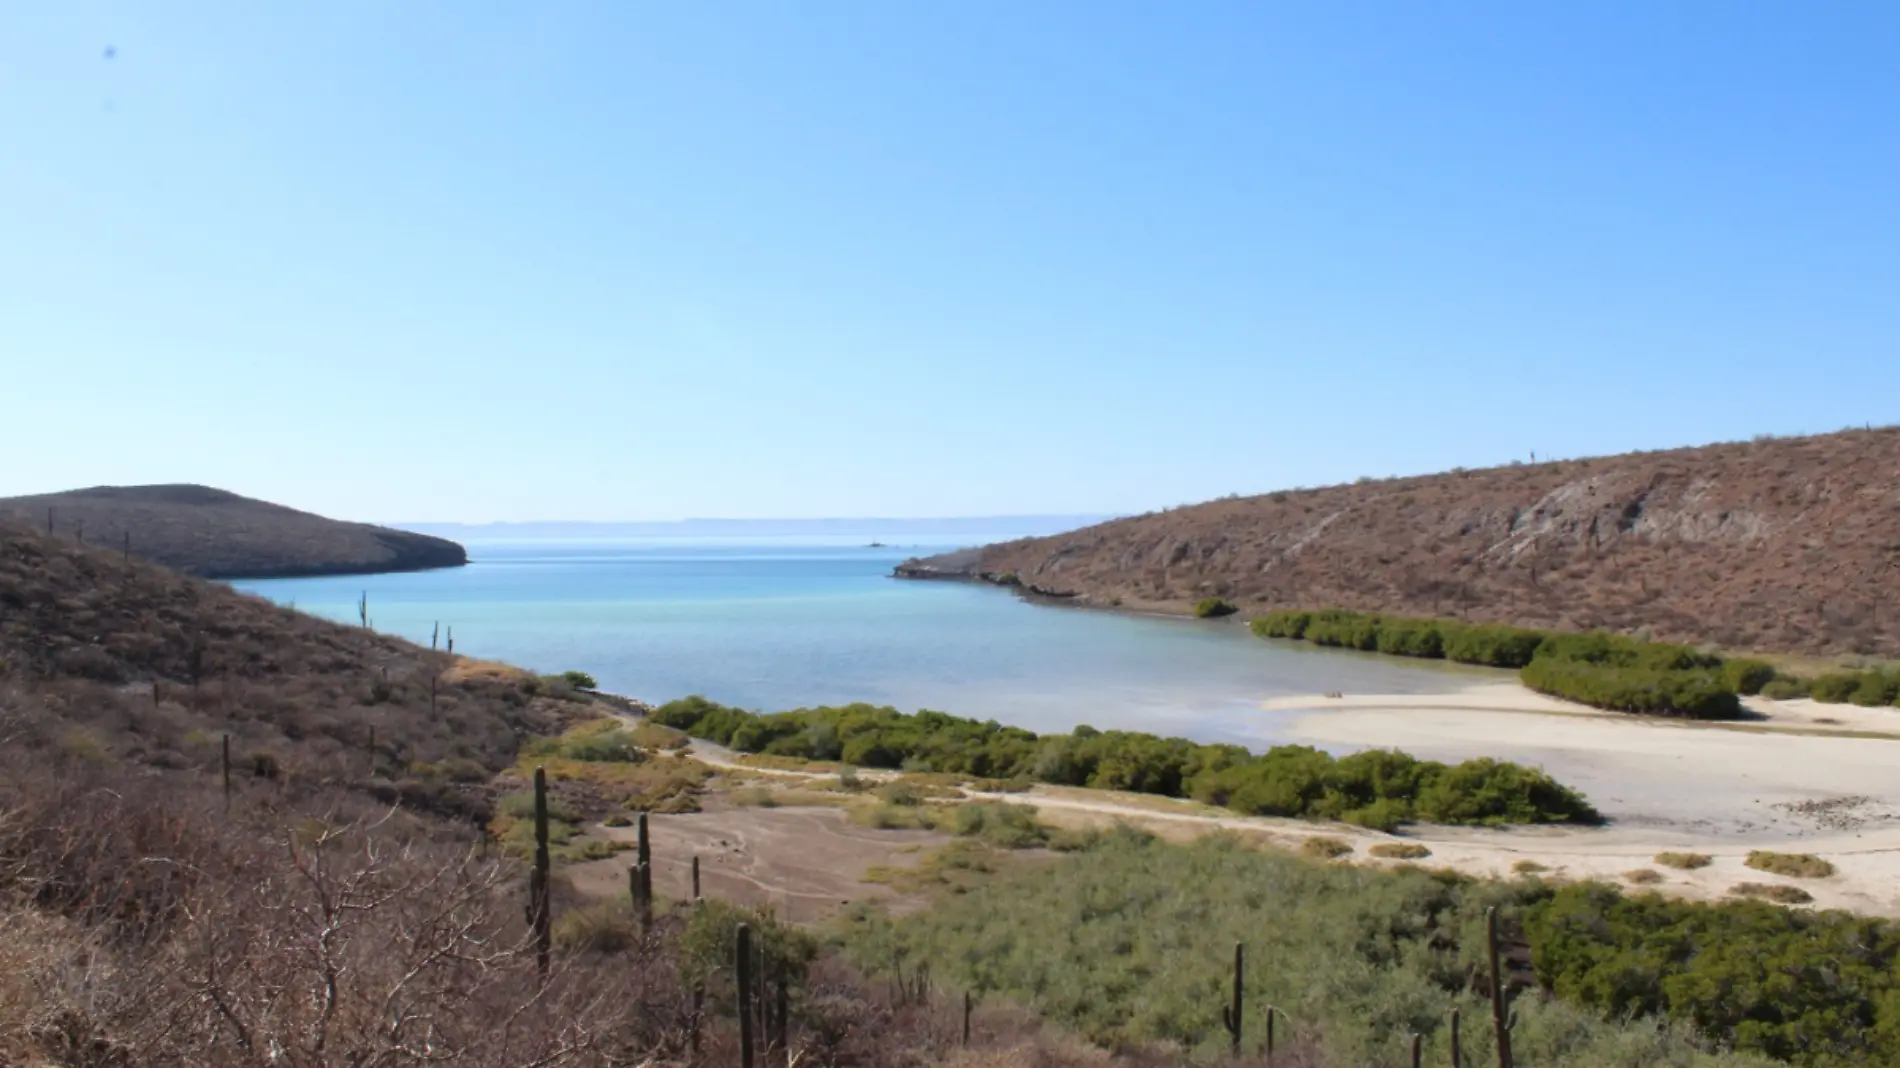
column 742, row 968
column 1457, row 1049
column 695, row 876
column 1417, row 1050
column 1500, row 1020
column 1270, row 1013
column 539, row 890
column 966, row 1019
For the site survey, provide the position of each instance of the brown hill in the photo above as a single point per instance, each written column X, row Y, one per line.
column 221, row 535
column 114, row 659
column 1780, row 544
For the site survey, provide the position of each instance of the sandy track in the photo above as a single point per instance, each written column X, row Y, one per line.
column 806, row 863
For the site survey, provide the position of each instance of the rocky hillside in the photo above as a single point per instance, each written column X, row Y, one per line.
column 1780, row 544
column 217, row 534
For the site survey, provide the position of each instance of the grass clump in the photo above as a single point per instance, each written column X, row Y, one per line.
column 1325, row 847
column 1379, row 789
column 1399, row 851
column 998, row 823
column 1643, row 876
column 1529, row 867
column 1779, row 893
column 1213, row 608
column 1684, row 861
column 1796, row 865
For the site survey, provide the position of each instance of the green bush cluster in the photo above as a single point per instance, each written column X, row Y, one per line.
column 1603, row 670
column 1131, row 943
column 1867, row 688
column 1815, row 988
column 1214, row 608
column 1378, row 788
column 1466, row 643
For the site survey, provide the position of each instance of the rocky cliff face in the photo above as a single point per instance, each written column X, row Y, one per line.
column 1786, row 544
column 216, row 534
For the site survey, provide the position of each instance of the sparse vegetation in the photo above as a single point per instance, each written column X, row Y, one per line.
column 1684, row 861
column 1399, row 851
column 1643, row 876
column 1379, row 789
column 1323, row 847
column 1529, row 867
column 1795, row 865
column 1780, row 893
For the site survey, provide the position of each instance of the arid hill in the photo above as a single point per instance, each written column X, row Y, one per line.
column 125, row 660
column 217, row 534
column 1779, row 544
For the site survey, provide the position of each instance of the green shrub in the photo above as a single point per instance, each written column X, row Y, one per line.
column 1797, row 865
column 1876, row 688
column 1785, row 688
column 1213, row 608
column 1344, row 630
column 998, row 823
column 1747, row 677
column 602, row 927
column 1281, row 625
column 1377, row 789
column 1835, row 687
column 1411, row 637
column 1693, row 693
column 1491, row 645
column 1684, row 861
column 1780, row 893
column 579, row 680
column 1131, row 942
column 1322, row 847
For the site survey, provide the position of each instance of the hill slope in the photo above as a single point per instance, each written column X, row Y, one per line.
column 217, row 534
column 126, row 660
column 1788, row 544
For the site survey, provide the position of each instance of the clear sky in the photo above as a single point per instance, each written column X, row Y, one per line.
column 474, row 261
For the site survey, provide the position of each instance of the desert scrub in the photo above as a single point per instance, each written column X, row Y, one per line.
column 1324, row 847
column 1779, row 893
column 1643, row 877
column 1785, row 688
column 1358, row 955
column 884, row 816
column 1797, row 865
column 753, row 797
column 1684, row 861
column 1400, row 851
column 1529, row 867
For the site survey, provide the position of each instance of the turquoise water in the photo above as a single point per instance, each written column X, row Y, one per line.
column 779, row 623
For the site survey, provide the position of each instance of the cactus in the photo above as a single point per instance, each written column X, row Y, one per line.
column 695, row 876
column 1270, row 1014
column 540, row 911
column 966, row 1018
column 1457, row 1049
column 435, row 634
column 1502, row 1021
column 79, row 532
column 362, row 609
column 742, row 970
column 227, row 771
column 1230, row 1014
column 451, row 646
column 1418, row 1050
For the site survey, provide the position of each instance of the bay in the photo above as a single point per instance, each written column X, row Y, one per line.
column 786, row 622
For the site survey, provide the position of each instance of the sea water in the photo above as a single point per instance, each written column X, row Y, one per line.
column 778, row 623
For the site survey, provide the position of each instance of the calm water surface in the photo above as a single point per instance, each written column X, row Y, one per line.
column 784, row 622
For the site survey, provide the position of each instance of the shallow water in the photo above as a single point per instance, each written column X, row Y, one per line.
column 785, row 622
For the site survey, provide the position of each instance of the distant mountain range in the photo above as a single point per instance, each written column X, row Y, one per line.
column 976, row 527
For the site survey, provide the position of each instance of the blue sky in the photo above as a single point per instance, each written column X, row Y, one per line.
column 456, row 261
